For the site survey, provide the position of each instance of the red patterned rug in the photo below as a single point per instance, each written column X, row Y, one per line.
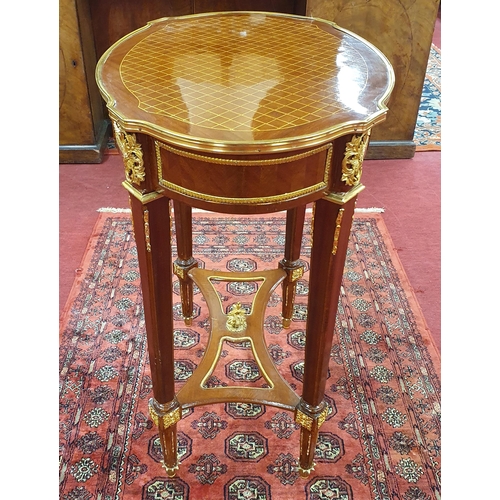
column 380, row 441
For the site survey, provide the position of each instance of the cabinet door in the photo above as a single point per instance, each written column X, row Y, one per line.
column 82, row 125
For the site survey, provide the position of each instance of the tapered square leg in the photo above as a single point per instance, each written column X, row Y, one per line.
column 310, row 419
column 185, row 260
column 166, row 418
column 152, row 234
column 290, row 263
column 326, row 269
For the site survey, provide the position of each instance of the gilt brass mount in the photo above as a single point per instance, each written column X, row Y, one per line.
column 352, row 163
column 168, row 419
column 236, row 321
column 131, row 152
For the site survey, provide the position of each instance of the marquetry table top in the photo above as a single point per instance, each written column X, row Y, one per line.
column 237, row 81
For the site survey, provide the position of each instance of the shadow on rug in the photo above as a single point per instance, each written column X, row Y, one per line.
column 381, row 438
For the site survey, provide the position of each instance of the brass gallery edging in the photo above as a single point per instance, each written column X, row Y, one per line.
column 229, row 161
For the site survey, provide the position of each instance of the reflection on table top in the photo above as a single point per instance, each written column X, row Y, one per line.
column 236, row 78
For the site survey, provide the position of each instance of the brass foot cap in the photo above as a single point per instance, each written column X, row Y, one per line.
column 304, row 473
column 286, row 322
column 170, row 470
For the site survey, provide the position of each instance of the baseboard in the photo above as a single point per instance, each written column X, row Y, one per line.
column 86, row 153
column 385, row 150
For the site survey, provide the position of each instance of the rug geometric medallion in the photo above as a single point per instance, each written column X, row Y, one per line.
column 381, row 439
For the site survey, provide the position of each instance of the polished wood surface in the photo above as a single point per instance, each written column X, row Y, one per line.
column 402, row 30
column 244, row 83
column 242, row 112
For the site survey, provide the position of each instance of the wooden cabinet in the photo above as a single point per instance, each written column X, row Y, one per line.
column 83, row 124
column 87, row 29
column 401, row 29
column 113, row 20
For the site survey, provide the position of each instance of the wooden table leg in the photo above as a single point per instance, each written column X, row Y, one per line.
column 152, row 233
column 326, row 269
column 185, row 260
column 291, row 264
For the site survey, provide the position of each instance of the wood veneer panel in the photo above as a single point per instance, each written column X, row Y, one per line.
column 74, row 100
column 82, row 124
column 113, row 20
column 402, row 30
column 285, row 6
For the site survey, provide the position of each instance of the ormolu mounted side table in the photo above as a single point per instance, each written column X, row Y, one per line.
column 242, row 112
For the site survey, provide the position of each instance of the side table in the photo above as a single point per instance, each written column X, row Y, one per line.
column 242, row 112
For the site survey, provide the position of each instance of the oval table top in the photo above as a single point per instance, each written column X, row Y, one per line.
column 244, row 82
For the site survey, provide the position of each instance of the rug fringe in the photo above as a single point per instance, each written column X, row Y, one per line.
column 113, row 210
column 377, row 210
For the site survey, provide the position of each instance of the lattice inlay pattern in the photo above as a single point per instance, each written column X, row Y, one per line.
column 244, row 73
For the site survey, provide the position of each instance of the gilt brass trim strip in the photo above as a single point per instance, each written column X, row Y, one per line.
column 242, row 163
column 252, row 276
column 227, row 161
column 143, row 198
column 217, row 357
column 343, row 198
column 244, row 201
column 338, row 225
column 146, row 230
